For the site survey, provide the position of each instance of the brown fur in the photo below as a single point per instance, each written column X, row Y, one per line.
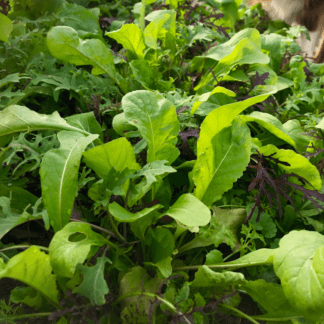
column 308, row 13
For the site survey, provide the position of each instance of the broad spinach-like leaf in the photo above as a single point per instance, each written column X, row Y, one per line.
column 6, row 27
column 271, row 297
column 189, row 211
column 74, row 16
column 299, row 264
column 131, row 37
column 33, row 268
column 117, row 154
column 297, row 164
column 156, row 119
column 111, row 161
column 222, row 117
column 223, row 228
column 66, row 253
column 123, row 215
column 65, row 44
column 137, row 280
column 161, row 243
column 271, row 123
column 59, row 176
column 143, row 72
column 204, row 97
column 16, row 118
column 222, row 163
column 87, row 122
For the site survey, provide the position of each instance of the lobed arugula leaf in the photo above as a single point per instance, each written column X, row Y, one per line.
column 93, row 286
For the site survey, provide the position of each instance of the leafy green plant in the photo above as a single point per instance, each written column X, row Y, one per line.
column 171, row 155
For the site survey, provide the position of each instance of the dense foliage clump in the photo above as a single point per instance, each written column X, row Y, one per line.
column 161, row 162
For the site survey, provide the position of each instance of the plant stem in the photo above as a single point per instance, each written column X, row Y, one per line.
column 240, row 313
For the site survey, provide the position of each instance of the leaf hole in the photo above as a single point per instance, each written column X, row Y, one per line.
column 77, row 237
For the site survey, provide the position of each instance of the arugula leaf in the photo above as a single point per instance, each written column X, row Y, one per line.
column 59, row 176
column 94, row 285
column 150, row 171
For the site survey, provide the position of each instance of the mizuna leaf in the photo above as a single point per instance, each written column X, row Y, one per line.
column 59, row 176
column 271, row 123
column 33, row 268
column 156, row 120
column 65, row 44
column 6, row 27
column 149, row 175
column 222, row 163
column 297, row 164
column 16, row 118
column 131, row 37
column 66, row 252
column 299, row 264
